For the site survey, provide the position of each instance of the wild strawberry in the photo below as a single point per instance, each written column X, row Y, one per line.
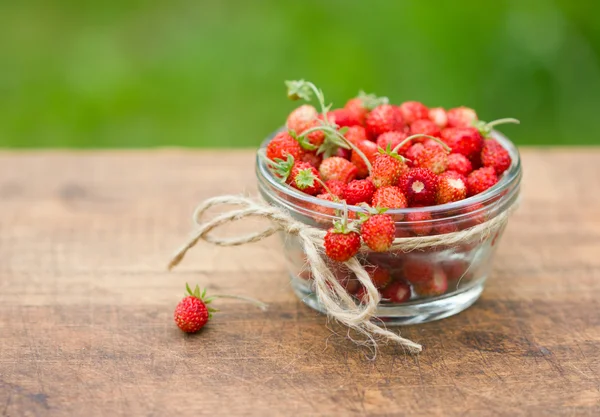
column 459, row 163
column 450, row 189
column 477, row 214
column 336, row 168
column 355, row 134
column 322, row 210
column 419, row 185
column 305, row 177
column 283, row 145
column 336, row 187
column 343, row 153
column 464, row 140
column 438, row 116
column 387, row 169
column 301, row 118
column 384, row 118
column 435, row 159
column 378, row 232
column 192, row 313
column 425, row 127
column 359, row 191
column 341, row 243
column 380, row 276
column 436, row 285
column 360, row 106
column 419, row 222
column 461, row 117
column 413, row 152
column 344, row 117
column 445, row 227
column 369, row 149
column 390, row 197
column 495, row 156
column 417, row 270
column 455, row 269
column 362, row 295
column 317, row 137
column 312, row 158
column 480, row 180
column 393, row 139
column 412, row 111
column 396, row 292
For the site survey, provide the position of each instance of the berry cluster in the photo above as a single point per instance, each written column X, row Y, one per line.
column 381, row 156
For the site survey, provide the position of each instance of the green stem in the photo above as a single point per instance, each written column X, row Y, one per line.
column 502, row 121
column 320, row 98
column 255, row 302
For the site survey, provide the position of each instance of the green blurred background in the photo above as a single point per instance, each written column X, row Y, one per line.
column 118, row 73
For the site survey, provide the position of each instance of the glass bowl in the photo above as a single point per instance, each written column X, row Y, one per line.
column 438, row 281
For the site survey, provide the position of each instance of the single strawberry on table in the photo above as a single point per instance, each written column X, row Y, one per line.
column 192, row 313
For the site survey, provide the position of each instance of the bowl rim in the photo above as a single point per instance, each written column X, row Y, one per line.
column 512, row 176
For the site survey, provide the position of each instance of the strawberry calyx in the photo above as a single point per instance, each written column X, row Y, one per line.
column 279, row 167
column 305, row 178
column 370, row 211
column 485, row 128
column 201, row 295
column 302, row 140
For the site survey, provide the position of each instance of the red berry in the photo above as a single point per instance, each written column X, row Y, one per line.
column 393, row 139
column 380, row 276
column 362, row 295
column 396, row 292
column 192, row 313
column 343, row 153
column 355, row 107
column 413, row 152
column 387, row 169
column 461, row 117
column 304, row 177
column 419, row 185
column 344, row 117
column 477, row 214
column 454, row 175
column 341, row 246
column 435, row 159
column 495, row 156
column 355, row 134
column 413, row 110
column 369, row 149
column 302, row 118
column 455, row 268
column 436, row 285
column 464, row 140
column 312, row 158
column 283, row 145
column 390, row 197
column 336, row 187
column 384, row 118
column 438, row 116
column 420, row 222
column 445, row 227
column 378, row 232
column 480, row 180
column 425, row 127
column 416, row 270
column 459, row 163
column 359, row 191
column 450, row 189
column 336, row 168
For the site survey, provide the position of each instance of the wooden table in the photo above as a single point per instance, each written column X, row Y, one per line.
column 86, row 303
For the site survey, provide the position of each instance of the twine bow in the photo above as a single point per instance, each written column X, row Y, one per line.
column 333, row 297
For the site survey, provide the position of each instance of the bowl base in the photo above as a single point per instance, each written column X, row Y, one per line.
column 413, row 312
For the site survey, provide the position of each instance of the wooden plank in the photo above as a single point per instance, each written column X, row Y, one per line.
column 86, row 304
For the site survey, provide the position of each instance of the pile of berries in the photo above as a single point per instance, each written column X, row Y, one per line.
column 382, row 156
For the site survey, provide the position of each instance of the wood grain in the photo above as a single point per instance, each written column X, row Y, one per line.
column 86, row 304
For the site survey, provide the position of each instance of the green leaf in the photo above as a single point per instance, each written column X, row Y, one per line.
column 370, row 101
column 344, row 130
column 197, row 292
column 204, row 293
column 189, row 290
column 298, row 90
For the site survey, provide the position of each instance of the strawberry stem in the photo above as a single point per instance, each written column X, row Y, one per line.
column 253, row 301
column 502, row 121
